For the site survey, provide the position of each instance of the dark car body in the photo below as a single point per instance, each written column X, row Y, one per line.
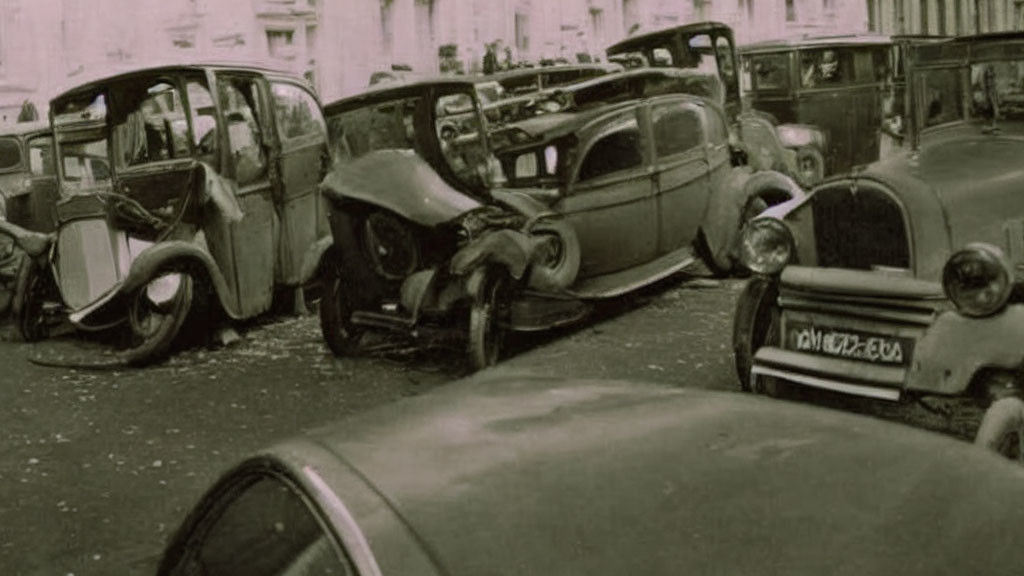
column 530, row 475
column 607, row 89
column 519, row 81
column 26, row 153
column 901, row 278
column 177, row 176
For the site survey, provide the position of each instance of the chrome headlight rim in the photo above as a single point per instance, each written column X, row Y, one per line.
column 975, row 264
column 801, row 135
column 753, row 254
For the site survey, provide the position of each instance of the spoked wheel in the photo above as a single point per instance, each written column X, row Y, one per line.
column 156, row 313
column 1002, row 429
column 34, row 289
column 486, row 320
column 341, row 335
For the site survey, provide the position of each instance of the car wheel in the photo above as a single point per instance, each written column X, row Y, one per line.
column 32, row 291
column 156, row 313
column 810, row 166
column 340, row 334
column 486, row 319
column 753, row 324
column 1002, row 428
column 390, row 245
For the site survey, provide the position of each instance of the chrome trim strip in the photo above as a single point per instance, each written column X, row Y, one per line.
column 816, row 382
column 887, row 314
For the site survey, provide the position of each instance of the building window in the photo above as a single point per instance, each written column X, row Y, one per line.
column 873, row 16
column 924, row 17
column 745, row 8
column 522, row 23
column 630, row 16
column 790, row 10
column 940, row 16
column 386, row 25
column 279, row 43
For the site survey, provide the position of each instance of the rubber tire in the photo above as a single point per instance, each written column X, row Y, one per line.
column 1002, row 419
column 157, row 345
column 565, row 271
column 29, row 294
column 486, row 337
column 752, row 321
column 810, row 154
column 342, row 337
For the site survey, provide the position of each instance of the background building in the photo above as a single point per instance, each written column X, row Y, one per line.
column 47, row 45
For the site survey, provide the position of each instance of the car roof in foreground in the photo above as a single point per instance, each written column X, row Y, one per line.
column 529, row 475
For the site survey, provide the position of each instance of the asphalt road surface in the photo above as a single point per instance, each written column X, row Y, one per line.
column 98, row 467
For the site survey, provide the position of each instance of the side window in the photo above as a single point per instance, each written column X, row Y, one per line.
column 461, row 137
column 821, row 68
column 152, row 126
column 770, row 71
column 204, row 119
column 298, row 114
column 676, row 129
column 266, row 530
column 10, row 153
column 620, row 147
column 40, row 156
column 239, row 98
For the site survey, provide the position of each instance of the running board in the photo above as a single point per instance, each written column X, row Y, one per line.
column 619, row 283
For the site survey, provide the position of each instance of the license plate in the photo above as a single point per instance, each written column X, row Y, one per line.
column 852, row 344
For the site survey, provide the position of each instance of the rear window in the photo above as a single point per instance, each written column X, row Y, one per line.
column 10, row 153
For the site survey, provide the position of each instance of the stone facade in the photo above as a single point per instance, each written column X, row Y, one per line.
column 945, row 17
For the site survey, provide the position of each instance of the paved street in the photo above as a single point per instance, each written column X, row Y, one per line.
column 98, row 468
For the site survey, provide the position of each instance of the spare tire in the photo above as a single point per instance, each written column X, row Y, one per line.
column 559, row 268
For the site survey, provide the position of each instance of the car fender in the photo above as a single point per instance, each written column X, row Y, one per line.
column 759, row 137
column 722, row 225
column 990, row 342
column 180, row 254
column 312, row 258
column 510, row 249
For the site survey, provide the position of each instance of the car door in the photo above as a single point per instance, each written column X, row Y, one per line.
column 610, row 201
column 303, row 162
column 244, row 248
column 680, row 171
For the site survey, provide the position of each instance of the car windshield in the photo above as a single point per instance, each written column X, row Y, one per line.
column 395, row 124
column 84, row 165
column 997, row 90
column 940, row 96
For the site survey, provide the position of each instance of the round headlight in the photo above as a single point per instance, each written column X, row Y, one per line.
column 978, row 280
column 766, row 246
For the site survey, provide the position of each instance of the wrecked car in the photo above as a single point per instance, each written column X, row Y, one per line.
column 595, row 204
column 607, row 89
column 902, row 282
column 185, row 188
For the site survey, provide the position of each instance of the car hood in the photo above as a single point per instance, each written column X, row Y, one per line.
column 960, row 186
column 401, row 182
column 532, row 475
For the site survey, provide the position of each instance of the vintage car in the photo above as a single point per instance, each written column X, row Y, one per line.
column 518, row 474
column 26, row 154
column 708, row 47
column 825, row 95
column 902, row 281
column 597, row 203
column 178, row 185
column 607, row 89
column 519, row 81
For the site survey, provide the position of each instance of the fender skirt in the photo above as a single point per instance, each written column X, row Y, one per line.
column 179, row 255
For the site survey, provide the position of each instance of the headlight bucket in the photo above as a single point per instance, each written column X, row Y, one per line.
column 978, row 279
column 766, row 246
column 800, row 135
